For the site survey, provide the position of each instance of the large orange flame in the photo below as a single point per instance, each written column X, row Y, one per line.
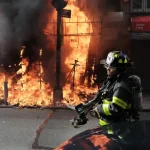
column 79, row 28
column 26, row 87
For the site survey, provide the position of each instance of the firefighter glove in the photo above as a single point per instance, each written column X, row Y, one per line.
column 95, row 113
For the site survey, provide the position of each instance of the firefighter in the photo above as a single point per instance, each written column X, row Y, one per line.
column 118, row 93
column 117, row 103
column 115, row 110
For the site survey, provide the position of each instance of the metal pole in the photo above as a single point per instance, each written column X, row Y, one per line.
column 74, row 70
column 58, row 51
column 5, row 91
column 58, row 95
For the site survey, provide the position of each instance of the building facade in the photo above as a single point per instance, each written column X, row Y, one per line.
column 139, row 16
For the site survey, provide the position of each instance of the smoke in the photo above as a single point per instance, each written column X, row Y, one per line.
column 18, row 23
column 25, row 20
column 5, row 33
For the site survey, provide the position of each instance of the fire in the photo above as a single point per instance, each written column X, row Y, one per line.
column 80, row 28
column 29, row 89
column 26, row 87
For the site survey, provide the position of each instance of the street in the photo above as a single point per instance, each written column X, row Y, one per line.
column 58, row 129
column 18, row 127
column 41, row 129
column 54, row 52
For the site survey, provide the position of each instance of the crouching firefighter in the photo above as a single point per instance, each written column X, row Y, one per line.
column 120, row 97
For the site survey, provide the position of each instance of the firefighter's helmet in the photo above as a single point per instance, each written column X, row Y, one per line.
column 116, row 59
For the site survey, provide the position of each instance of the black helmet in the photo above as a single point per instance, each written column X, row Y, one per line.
column 116, row 59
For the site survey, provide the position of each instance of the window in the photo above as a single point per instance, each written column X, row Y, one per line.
column 137, row 4
column 148, row 3
column 140, row 6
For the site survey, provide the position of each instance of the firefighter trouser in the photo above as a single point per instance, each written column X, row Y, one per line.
column 126, row 133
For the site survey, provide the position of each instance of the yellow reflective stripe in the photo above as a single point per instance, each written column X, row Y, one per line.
column 109, row 130
column 124, row 134
column 115, row 55
column 106, row 109
column 105, row 101
column 102, row 122
column 125, row 61
column 120, row 61
column 119, row 102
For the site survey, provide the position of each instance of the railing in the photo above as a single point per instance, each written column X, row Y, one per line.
column 94, row 27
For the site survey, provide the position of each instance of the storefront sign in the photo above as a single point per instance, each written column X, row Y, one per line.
column 140, row 24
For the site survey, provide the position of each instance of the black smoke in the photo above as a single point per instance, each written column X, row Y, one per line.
column 20, row 24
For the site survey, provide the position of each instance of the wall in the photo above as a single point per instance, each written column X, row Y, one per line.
column 140, row 54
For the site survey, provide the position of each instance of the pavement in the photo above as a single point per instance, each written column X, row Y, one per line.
column 56, row 128
column 47, row 129
column 18, row 127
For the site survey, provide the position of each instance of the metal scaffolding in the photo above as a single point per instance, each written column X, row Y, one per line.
column 100, row 30
column 93, row 22
column 93, row 30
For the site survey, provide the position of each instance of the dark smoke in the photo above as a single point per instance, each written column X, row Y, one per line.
column 19, row 22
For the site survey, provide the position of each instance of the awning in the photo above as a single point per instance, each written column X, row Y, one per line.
column 140, row 24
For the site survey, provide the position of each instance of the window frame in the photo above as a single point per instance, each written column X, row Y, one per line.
column 146, row 5
column 142, row 9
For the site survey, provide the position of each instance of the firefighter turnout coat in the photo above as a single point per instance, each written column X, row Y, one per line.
column 116, row 102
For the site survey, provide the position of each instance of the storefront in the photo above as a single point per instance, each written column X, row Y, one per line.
column 140, row 27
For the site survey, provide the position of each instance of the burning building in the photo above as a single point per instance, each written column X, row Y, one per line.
column 30, row 70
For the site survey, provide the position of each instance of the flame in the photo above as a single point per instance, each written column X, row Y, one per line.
column 81, row 29
column 26, row 87
column 22, row 51
column 30, row 91
column 40, row 52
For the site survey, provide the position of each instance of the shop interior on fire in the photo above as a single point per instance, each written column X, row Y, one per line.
column 28, row 70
